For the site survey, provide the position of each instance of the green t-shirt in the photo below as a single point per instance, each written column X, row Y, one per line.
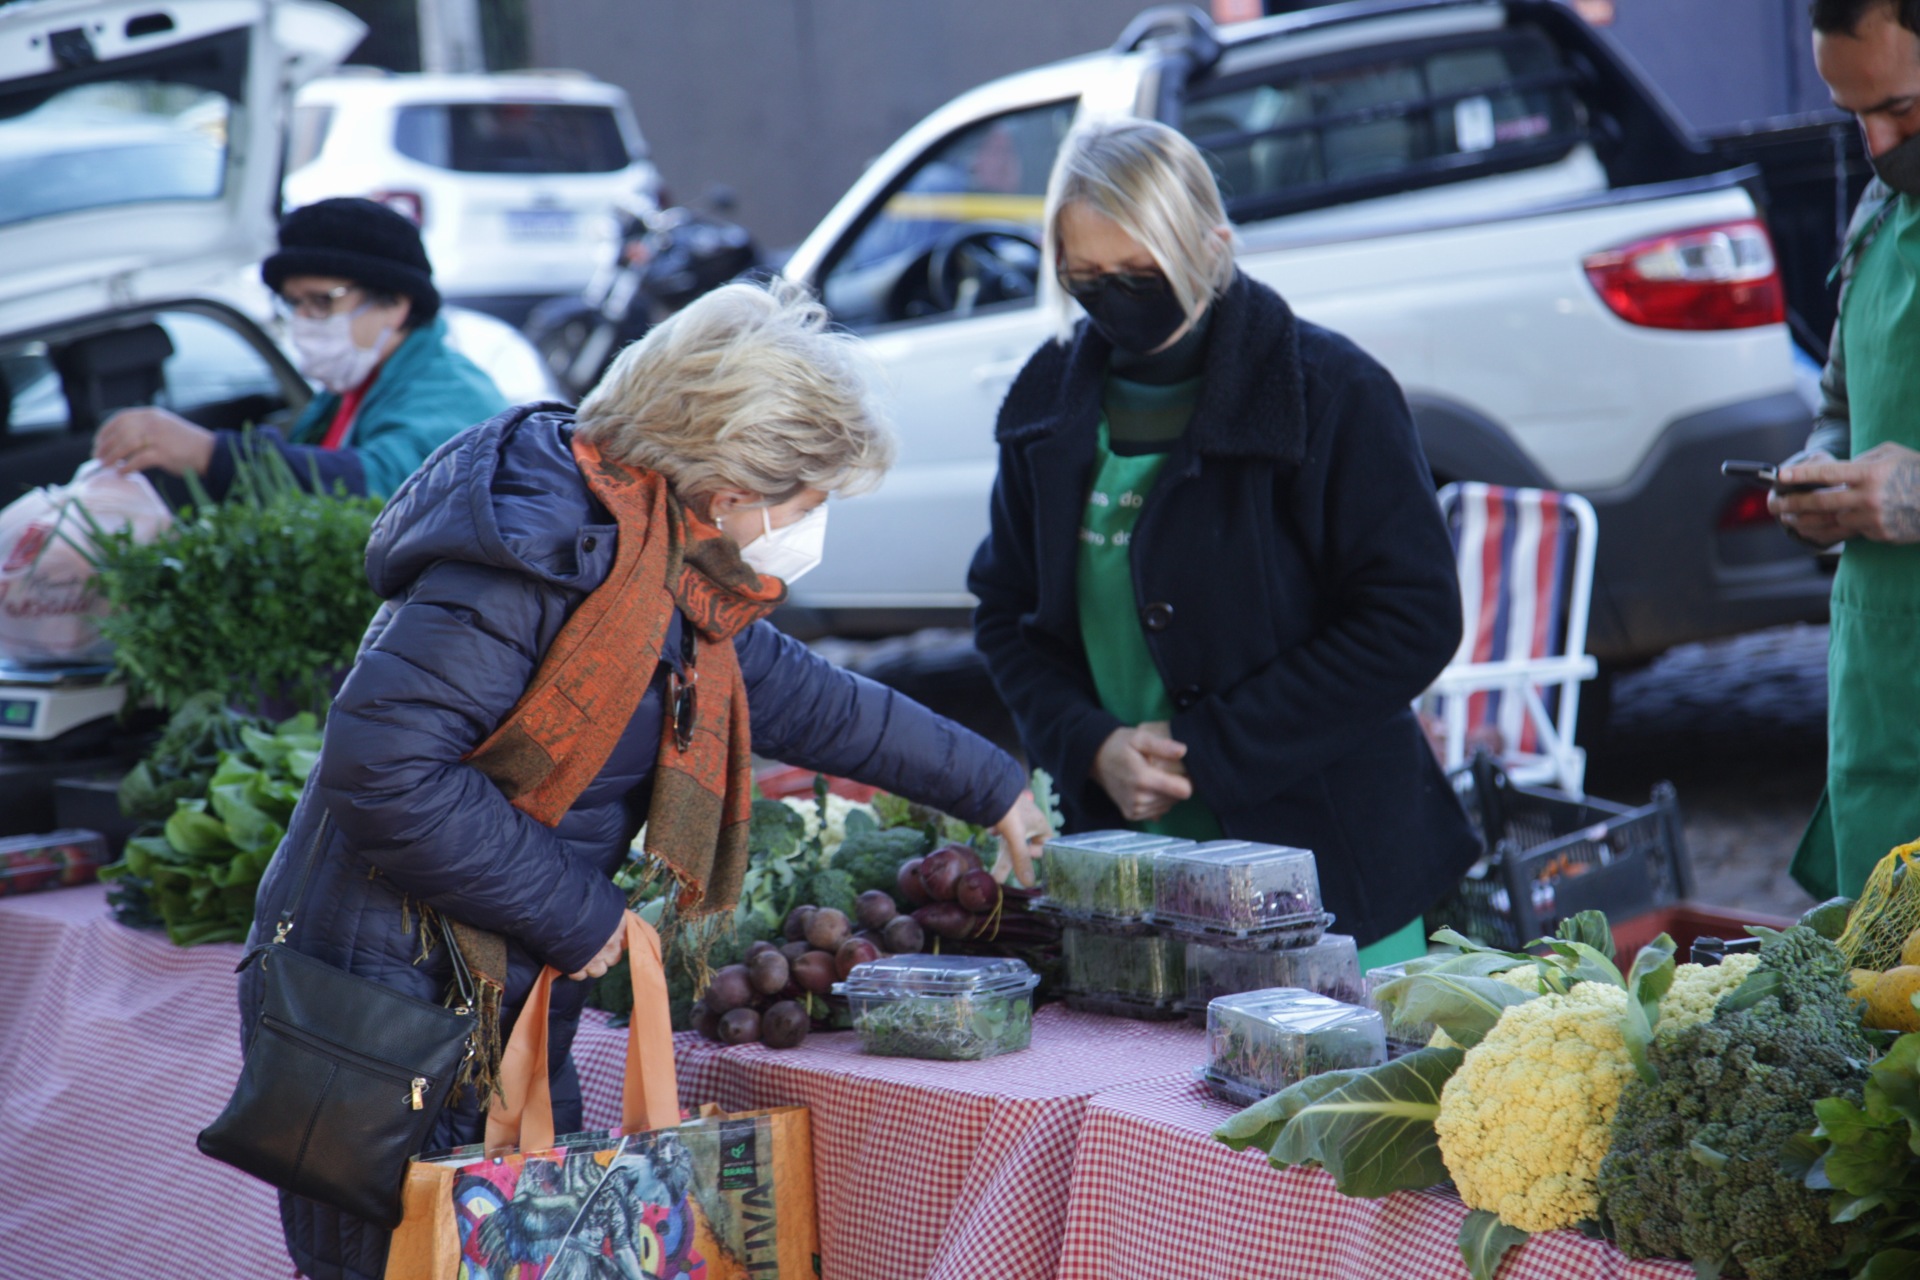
column 1124, row 674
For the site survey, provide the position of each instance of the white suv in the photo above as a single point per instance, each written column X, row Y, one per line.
column 513, row 179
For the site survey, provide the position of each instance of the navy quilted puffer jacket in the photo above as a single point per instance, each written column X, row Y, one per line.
column 480, row 557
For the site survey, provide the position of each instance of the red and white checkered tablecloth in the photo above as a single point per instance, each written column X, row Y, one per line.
column 925, row 1170
column 1153, row 1194
column 116, row 1048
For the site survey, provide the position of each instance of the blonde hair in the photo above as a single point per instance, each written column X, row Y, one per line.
column 747, row 388
column 1156, row 186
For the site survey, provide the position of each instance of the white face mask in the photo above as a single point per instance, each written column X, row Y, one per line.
column 327, row 353
column 788, row 553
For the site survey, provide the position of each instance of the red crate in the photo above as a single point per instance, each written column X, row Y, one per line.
column 1684, row 922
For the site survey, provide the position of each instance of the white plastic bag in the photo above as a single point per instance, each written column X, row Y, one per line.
column 49, row 611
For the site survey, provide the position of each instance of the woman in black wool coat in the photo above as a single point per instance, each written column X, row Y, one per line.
column 1216, row 576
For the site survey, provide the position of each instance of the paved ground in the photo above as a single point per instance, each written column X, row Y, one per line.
column 1739, row 727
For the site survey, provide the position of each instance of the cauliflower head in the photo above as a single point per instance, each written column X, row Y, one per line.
column 1698, row 988
column 1526, row 1120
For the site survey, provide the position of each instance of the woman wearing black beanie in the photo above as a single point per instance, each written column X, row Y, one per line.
column 354, row 282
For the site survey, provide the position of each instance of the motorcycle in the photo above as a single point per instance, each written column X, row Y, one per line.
column 666, row 259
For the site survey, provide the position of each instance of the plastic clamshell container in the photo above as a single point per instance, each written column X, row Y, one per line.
column 1268, row 1040
column 1103, row 875
column 1405, row 1033
column 1235, row 891
column 946, row 1007
column 1329, row 967
column 1129, row 977
column 55, row 860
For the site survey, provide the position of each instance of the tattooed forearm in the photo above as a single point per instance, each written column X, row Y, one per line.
column 1900, row 501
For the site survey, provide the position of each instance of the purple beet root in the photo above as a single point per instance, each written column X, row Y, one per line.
column 903, row 935
column 943, row 868
column 815, row 972
column 795, row 927
column 739, row 1027
column 755, row 950
column 784, row 1025
column 704, row 1020
column 977, row 891
column 828, row 928
column 874, row 909
column 912, row 888
column 731, row 988
column 794, row 950
column 768, row 972
column 945, row 919
column 854, row 951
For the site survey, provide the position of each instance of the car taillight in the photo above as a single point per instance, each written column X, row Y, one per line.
column 1747, row 509
column 1719, row 277
column 409, row 204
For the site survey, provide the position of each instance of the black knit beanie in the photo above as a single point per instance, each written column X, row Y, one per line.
column 358, row 240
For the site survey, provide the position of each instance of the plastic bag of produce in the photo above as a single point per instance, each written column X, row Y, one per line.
column 49, row 611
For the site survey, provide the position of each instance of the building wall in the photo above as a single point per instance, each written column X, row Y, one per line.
column 786, row 100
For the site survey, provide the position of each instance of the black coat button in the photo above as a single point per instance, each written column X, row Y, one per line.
column 1157, row 616
column 589, row 542
column 1185, row 696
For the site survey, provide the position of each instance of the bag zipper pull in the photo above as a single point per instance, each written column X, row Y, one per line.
column 419, row 1093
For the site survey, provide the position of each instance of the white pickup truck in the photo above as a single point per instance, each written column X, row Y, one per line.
column 1484, row 194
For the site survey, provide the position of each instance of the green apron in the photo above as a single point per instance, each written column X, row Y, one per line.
column 1124, row 675
column 1872, row 800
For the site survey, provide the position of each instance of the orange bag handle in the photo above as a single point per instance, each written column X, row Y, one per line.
column 521, row 1117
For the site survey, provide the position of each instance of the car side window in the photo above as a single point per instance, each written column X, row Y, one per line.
column 959, row 231
column 211, row 365
column 211, row 374
column 1303, row 136
column 307, row 135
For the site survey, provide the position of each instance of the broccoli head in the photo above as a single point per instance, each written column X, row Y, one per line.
column 872, row 857
column 1695, row 1169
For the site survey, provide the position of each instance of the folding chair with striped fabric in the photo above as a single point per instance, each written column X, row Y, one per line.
column 1526, row 579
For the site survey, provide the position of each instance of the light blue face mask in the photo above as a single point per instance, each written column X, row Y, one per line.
column 790, row 552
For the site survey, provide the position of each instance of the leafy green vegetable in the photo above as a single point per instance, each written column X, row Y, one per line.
column 1650, row 979
column 1373, row 1130
column 1463, row 1006
column 946, row 1028
column 255, row 599
column 184, row 758
column 1484, row 1241
column 200, row 873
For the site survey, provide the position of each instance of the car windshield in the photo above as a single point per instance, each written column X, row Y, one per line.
column 114, row 142
column 512, row 137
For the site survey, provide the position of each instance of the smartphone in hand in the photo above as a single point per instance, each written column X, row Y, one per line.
column 1762, row 473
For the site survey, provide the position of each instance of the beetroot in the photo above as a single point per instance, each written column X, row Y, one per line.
column 784, row 1025
column 912, row 888
column 731, row 988
column 704, row 1020
column 755, row 950
column 828, row 928
column 853, row 951
column 945, row 919
column 815, row 972
column 794, row 950
column 874, row 909
column 943, row 868
column 977, row 891
column 768, row 972
column 795, row 927
column 739, row 1027
column 902, row 935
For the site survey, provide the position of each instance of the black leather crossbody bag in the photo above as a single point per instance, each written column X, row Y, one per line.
column 343, row 1076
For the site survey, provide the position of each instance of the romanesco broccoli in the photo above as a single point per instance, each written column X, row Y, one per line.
column 1695, row 1169
column 1526, row 1119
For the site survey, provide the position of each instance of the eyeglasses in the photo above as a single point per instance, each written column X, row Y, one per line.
column 317, row 305
column 1137, row 284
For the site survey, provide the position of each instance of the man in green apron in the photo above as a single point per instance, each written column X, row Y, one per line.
column 1863, row 461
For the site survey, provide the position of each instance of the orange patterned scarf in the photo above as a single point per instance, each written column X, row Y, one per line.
column 559, row 735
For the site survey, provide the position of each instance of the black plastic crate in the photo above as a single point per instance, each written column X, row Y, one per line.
column 1555, row 855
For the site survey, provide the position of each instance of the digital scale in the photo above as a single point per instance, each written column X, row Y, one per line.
column 38, row 704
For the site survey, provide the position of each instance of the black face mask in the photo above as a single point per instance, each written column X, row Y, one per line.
column 1136, row 313
column 1899, row 167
